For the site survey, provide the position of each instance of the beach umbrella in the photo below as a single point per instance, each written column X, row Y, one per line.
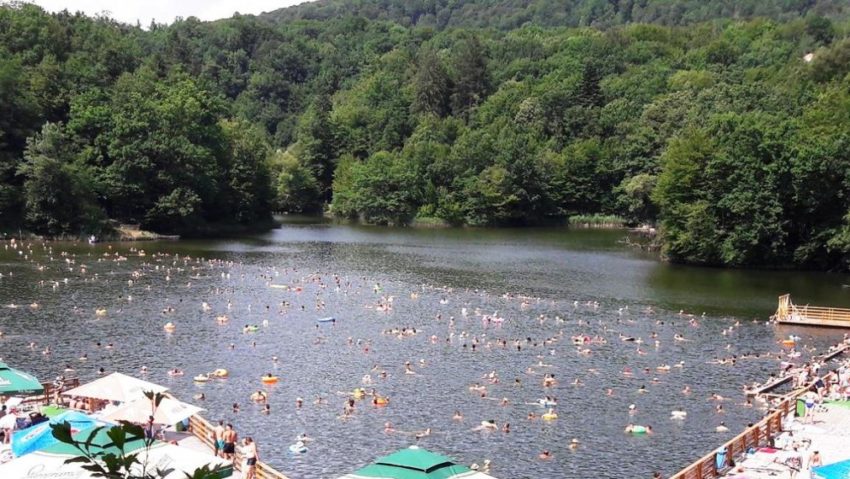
column 170, row 411
column 115, row 387
column 13, row 381
column 50, row 461
column 837, row 470
column 415, row 463
column 40, row 436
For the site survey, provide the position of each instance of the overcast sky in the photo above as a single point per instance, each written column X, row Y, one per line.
column 164, row 11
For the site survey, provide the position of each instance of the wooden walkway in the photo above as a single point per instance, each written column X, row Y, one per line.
column 769, row 386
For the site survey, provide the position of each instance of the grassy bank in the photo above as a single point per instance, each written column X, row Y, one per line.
column 597, row 221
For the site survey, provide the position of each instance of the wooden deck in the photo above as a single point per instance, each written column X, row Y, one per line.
column 789, row 313
column 202, row 429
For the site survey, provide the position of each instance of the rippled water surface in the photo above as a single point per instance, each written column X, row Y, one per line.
column 547, row 285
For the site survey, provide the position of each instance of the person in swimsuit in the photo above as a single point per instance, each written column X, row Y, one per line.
column 229, row 448
column 218, row 438
column 249, row 448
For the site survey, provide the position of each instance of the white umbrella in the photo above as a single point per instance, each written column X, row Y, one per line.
column 115, row 387
column 170, row 411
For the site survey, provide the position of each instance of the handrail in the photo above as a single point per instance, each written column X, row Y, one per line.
column 203, row 430
column 756, row 436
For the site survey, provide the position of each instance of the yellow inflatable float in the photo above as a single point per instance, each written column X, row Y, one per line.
column 269, row 379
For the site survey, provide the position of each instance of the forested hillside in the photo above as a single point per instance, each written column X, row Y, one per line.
column 725, row 123
column 510, row 14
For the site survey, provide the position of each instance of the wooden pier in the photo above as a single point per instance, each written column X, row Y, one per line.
column 835, row 352
column 768, row 386
column 789, row 313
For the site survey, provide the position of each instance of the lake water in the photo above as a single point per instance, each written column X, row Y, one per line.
column 546, row 284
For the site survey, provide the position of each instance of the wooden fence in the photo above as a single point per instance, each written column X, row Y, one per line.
column 759, row 435
column 203, row 430
column 51, row 391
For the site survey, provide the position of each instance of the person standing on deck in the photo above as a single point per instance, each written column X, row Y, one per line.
column 229, row 448
column 249, row 449
column 218, row 438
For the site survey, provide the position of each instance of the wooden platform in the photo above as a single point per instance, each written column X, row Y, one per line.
column 789, row 313
column 769, row 386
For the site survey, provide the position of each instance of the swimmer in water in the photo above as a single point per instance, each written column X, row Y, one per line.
column 489, row 425
column 457, row 416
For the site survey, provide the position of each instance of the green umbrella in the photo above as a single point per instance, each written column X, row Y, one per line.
column 415, row 463
column 13, row 381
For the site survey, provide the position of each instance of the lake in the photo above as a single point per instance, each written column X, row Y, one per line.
column 542, row 286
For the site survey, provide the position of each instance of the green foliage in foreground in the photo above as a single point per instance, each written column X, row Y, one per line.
column 727, row 127
column 121, row 458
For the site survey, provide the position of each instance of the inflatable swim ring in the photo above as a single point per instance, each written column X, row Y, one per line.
column 549, row 416
column 381, row 401
column 201, row 378
column 638, row 430
column 219, row 373
column 269, row 379
column 251, row 329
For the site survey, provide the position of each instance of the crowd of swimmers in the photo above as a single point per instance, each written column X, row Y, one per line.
column 484, row 334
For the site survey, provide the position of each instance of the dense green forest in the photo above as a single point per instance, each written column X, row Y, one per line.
column 725, row 123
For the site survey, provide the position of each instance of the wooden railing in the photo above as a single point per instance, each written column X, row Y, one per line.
column 51, row 392
column 203, row 430
column 790, row 312
column 759, row 435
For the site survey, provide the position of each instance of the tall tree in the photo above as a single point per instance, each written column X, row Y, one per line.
column 432, row 84
column 471, row 75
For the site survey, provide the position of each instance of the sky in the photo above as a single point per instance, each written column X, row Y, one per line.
column 163, row 11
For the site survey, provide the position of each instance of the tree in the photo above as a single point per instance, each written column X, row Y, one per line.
column 470, row 74
column 248, row 185
column 296, row 189
column 57, row 196
column 317, row 143
column 432, row 84
column 381, row 190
